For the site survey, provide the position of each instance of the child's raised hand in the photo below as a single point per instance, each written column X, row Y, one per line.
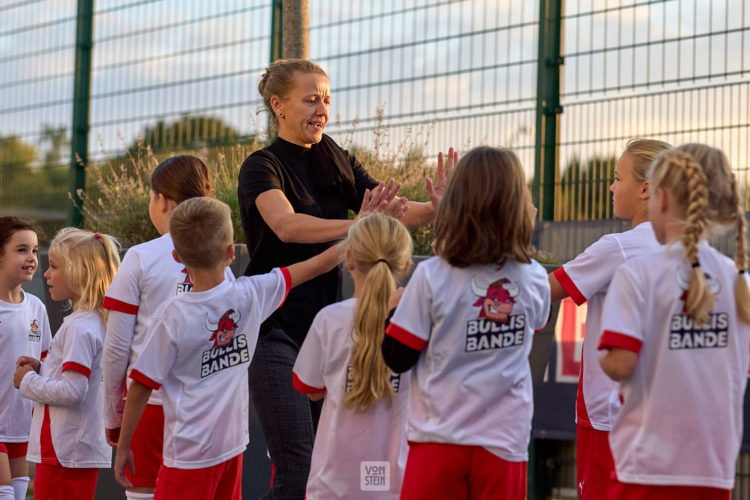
column 444, row 167
column 21, row 371
column 124, row 460
column 29, row 361
column 380, row 198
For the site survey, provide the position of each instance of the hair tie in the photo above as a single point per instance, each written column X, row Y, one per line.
column 696, row 264
column 383, row 260
column 97, row 236
column 742, row 271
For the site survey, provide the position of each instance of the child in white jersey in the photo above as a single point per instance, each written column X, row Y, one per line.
column 147, row 277
column 676, row 326
column 197, row 350
column 586, row 278
column 466, row 322
column 360, row 446
column 67, row 431
column 24, row 331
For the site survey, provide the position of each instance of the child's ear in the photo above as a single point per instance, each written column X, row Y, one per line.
column 176, row 257
column 165, row 204
column 405, row 270
column 663, row 197
column 348, row 260
column 645, row 190
column 230, row 255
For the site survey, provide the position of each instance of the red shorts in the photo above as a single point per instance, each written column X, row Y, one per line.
column 438, row 470
column 221, row 482
column 62, row 483
column 14, row 450
column 594, row 463
column 147, row 444
column 629, row 491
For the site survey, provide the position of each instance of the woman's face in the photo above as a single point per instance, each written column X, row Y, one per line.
column 304, row 113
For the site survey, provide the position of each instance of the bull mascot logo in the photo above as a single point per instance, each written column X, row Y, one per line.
column 682, row 277
column 34, row 327
column 224, row 330
column 496, row 300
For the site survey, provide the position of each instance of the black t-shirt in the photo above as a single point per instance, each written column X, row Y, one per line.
column 287, row 167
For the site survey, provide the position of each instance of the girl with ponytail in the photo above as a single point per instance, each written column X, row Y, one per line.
column 676, row 331
column 364, row 414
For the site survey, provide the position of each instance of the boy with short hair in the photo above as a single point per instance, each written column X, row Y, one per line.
column 197, row 351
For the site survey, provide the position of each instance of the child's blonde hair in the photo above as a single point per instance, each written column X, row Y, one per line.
column 91, row 260
column 643, row 152
column 201, row 230
column 380, row 247
column 485, row 215
column 700, row 179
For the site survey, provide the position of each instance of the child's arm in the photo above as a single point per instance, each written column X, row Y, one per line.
column 618, row 364
column 137, row 399
column 556, row 289
column 315, row 266
column 117, row 345
column 408, row 328
column 397, row 356
column 68, row 391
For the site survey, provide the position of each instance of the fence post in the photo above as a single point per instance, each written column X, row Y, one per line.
column 547, row 107
column 276, row 31
column 79, row 142
column 296, row 30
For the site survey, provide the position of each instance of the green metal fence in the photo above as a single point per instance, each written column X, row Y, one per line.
column 673, row 70
column 564, row 84
column 407, row 77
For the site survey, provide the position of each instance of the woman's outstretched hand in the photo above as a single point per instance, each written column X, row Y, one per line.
column 444, row 167
column 383, row 199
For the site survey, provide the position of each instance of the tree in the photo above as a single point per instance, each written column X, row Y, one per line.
column 16, row 158
column 584, row 189
column 57, row 139
column 188, row 132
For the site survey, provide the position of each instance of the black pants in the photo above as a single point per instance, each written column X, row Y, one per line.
column 287, row 417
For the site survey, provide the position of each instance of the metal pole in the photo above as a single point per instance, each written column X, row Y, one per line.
column 276, row 31
column 277, row 37
column 548, row 107
column 81, row 94
column 296, row 22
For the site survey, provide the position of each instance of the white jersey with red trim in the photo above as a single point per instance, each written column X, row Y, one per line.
column 147, row 277
column 474, row 325
column 681, row 420
column 70, row 433
column 198, row 347
column 24, row 331
column 357, row 454
column 586, row 278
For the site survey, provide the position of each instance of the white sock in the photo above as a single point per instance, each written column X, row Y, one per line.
column 6, row 492
column 20, row 485
column 132, row 495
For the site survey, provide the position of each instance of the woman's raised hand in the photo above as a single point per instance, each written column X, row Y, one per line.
column 444, row 167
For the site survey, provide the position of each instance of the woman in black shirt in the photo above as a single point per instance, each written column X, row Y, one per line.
column 294, row 198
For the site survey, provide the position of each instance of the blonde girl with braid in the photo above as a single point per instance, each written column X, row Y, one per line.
column 585, row 280
column 676, row 335
column 360, row 447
